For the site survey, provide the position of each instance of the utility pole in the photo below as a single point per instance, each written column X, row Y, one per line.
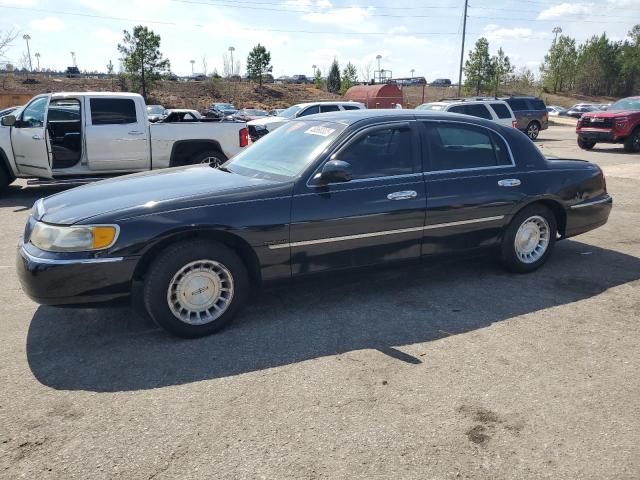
column 464, row 32
column 26, row 37
column 144, row 85
column 378, row 57
column 37, row 55
column 192, row 62
column 412, row 70
column 231, row 50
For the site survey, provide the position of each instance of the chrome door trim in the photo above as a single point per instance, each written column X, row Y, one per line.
column 384, row 232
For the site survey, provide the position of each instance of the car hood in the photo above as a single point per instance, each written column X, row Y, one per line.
column 609, row 114
column 267, row 121
column 152, row 192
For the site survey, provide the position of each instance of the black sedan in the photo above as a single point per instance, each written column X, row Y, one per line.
column 326, row 192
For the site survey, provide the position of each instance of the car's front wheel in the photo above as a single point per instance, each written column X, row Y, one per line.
column 195, row 288
column 586, row 144
column 215, row 158
column 533, row 130
column 529, row 239
column 632, row 142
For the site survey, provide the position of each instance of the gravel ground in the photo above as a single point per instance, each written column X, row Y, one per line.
column 444, row 370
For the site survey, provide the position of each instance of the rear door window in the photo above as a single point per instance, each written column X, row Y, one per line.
column 479, row 110
column 462, row 147
column 112, row 111
column 350, row 107
column 329, row 108
column 517, row 104
column 536, row 104
column 458, row 109
column 502, row 111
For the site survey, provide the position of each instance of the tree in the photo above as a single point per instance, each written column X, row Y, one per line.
column 258, row 63
column 558, row 68
column 477, row 68
column 349, row 78
column 629, row 64
column 501, row 68
column 141, row 58
column 333, row 79
column 319, row 82
column 5, row 41
column 365, row 72
column 110, row 68
column 597, row 68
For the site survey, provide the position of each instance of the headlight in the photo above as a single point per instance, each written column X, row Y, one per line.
column 80, row 238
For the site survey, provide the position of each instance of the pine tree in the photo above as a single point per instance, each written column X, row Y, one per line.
column 258, row 63
column 500, row 68
column 477, row 68
column 333, row 79
column 349, row 77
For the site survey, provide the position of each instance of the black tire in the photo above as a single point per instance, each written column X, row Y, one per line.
column 5, row 180
column 172, row 260
column 533, row 130
column 632, row 142
column 212, row 157
column 586, row 144
column 509, row 256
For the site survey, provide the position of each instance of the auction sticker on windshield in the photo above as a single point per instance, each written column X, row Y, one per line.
column 322, row 131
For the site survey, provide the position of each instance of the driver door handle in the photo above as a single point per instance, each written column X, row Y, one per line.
column 509, row 182
column 37, row 137
column 136, row 132
column 402, row 195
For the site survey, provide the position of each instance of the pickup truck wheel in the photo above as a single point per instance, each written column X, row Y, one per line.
column 215, row 158
column 5, row 181
column 533, row 129
column 195, row 288
column 586, row 144
column 529, row 239
column 632, row 142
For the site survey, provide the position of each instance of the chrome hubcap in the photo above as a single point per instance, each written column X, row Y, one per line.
column 533, row 131
column 200, row 292
column 213, row 161
column 532, row 239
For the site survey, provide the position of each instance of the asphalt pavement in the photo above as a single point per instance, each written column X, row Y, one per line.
column 448, row 369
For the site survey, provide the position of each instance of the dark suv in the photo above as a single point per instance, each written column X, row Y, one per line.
column 531, row 114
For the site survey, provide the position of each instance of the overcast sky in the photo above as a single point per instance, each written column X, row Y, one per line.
column 414, row 34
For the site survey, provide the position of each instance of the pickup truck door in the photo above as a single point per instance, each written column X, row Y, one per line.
column 29, row 139
column 117, row 134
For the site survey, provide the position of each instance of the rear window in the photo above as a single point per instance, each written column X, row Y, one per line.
column 350, row 107
column 112, row 111
column 310, row 111
column 517, row 104
column 329, row 108
column 536, row 104
column 501, row 110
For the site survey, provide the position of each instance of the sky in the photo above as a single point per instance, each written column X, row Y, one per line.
column 423, row 35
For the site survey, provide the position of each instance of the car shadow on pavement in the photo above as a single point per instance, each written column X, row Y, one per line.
column 23, row 198
column 113, row 349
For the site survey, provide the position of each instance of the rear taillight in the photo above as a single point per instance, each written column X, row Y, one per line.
column 244, row 137
column 514, row 123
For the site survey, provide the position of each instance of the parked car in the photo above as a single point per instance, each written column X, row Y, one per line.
column 259, row 128
column 155, row 113
column 276, row 111
column 300, row 79
column 223, row 109
column 198, row 77
column 323, row 193
column 248, row 114
column 496, row 110
column 178, row 115
column 580, row 109
column 283, row 79
column 531, row 114
column 556, row 111
column 619, row 124
column 73, row 72
column 80, row 137
column 441, row 82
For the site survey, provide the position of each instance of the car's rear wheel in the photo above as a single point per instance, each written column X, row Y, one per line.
column 529, row 239
column 195, row 288
column 5, row 181
column 586, row 144
column 533, row 130
column 215, row 158
column 632, row 142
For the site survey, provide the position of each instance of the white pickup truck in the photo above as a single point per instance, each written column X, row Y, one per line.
column 80, row 137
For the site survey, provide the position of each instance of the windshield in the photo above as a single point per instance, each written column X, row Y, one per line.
column 430, row 106
column 155, row 109
column 290, row 112
column 224, row 106
column 625, row 104
column 254, row 112
column 285, row 152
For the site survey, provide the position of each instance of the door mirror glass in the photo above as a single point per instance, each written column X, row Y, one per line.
column 335, row 171
column 8, row 121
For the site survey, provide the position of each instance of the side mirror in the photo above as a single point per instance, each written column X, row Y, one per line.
column 8, row 120
column 335, row 171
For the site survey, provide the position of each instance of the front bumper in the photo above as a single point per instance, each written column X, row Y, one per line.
column 606, row 136
column 588, row 215
column 57, row 279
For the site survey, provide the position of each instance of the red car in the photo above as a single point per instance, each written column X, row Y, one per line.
column 620, row 123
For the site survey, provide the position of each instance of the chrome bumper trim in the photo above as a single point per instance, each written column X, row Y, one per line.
column 607, row 199
column 75, row 261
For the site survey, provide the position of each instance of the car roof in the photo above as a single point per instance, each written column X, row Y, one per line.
column 351, row 117
column 329, row 102
column 94, row 94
